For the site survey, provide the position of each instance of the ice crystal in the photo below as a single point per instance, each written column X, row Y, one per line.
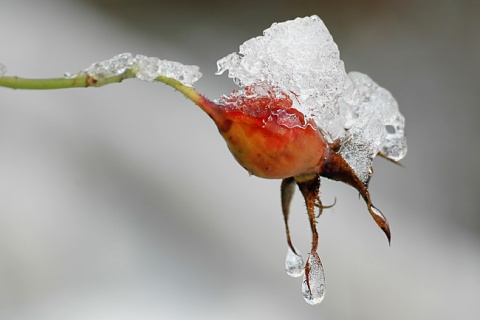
column 144, row 68
column 300, row 58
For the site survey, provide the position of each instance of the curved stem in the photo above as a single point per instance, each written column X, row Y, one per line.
column 205, row 104
column 85, row 81
column 309, row 187
column 336, row 168
column 287, row 190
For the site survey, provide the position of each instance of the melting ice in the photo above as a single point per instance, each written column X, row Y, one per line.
column 313, row 285
column 294, row 265
column 145, row 68
column 300, row 58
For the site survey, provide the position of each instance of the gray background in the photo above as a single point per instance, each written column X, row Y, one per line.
column 124, row 202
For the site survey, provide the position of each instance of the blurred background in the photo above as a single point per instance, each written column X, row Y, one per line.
column 124, row 202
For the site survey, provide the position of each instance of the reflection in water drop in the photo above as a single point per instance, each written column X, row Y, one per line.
column 378, row 213
column 313, row 285
column 294, row 265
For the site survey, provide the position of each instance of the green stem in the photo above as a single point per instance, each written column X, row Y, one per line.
column 205, row 104
column 189, row 92
column 85, row 81
column 80, row 81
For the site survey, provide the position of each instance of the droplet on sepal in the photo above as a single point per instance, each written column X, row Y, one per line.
column 313, row 285
column 294, row 264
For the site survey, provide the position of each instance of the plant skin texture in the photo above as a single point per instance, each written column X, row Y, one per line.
column 273, row 129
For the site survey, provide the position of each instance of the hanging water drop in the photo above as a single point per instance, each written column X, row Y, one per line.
column 313, row 285
column 294, row 265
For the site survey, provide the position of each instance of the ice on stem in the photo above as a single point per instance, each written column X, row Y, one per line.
column 301, row 59
column 111, row 67
column 145, row 68
column 294, row 265
column 313, row 285
column 149, row 68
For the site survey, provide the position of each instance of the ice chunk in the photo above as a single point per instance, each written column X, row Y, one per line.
column 294, row 265
column 313, row 285
column 144, row 68
column 3, row 70
column 372, row 122
column 149, row 68
column 111, row 67
column 300, row 58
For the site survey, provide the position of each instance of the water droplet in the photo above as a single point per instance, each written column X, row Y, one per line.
column 378, row 213
column 294, row 265
column 313, row 285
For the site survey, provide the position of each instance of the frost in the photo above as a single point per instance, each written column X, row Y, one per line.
column 144, row 68
column 3, row 70
column 300, row 58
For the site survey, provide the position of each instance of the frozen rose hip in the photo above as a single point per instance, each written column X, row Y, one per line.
column 273, row 140
column 269, row 137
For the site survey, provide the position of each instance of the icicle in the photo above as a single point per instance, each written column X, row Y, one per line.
column 313, row 286
column 294, row 265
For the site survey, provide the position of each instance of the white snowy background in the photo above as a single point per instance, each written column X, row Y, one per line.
column 124, row 202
